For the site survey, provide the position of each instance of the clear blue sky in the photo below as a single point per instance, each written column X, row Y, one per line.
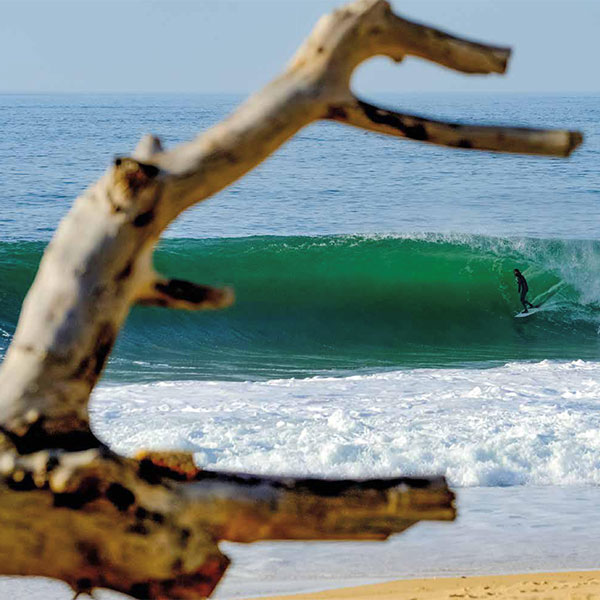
column 236, row 46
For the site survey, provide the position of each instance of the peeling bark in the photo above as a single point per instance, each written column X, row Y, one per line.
column 149, row 526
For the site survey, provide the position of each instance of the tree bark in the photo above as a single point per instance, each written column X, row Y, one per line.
column 72, row 509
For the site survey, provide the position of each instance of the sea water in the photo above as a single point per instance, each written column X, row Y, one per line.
column 373, row 332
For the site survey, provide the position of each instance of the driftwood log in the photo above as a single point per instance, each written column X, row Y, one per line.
column 149, row 526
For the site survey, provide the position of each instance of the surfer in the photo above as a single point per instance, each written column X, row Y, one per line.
column 523, row 289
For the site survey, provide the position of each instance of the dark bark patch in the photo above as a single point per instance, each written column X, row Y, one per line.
column 236, row 478
column 138, row 528
column 333, row 488
column 87, row 492
column 91, row 365
column 150, row 171
column 153, row 301
column 199, row 584
column 90, row 553
column 231, row 158
column 51, row 464
column 134, row 174
column 120, row 496
column 414, row 131
column 337, row 113
column 83, row 585
column 141, row 513
column 184, row 536
column 104, row 343
column 144, row 218
column 154, row 474
column 83, row 368
column 37, row 438
column 125, row 272
column 25, row 483
column 319, row 487
column 464, row 144
column 177, row 565
column 178, row 289
column 157, row 518
column 141, row 591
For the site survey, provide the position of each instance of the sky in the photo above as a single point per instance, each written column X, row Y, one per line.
column 212, row 46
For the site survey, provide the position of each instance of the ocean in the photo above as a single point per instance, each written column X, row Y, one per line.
column 373, row 332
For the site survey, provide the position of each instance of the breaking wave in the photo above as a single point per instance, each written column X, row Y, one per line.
column 312, row 305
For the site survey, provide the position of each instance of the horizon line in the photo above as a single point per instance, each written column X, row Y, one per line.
column 249, row 93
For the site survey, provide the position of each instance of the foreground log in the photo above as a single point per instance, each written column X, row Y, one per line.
column 95, row 519
column 149, row 526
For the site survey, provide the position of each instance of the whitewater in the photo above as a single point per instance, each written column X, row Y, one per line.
column 373, row 332
column 478, row 427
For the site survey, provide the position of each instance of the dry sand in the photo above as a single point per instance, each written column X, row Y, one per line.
column 575, row 585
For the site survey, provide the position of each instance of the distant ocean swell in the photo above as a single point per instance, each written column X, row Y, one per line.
column 309, row 305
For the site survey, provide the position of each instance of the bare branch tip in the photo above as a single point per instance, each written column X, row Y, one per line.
column 147, row 147
column 181, row 294
column 575, row 140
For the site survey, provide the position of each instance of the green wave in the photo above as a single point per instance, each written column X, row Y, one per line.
column 310, row 305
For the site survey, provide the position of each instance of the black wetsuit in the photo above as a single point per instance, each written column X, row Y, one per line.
column 523, row 289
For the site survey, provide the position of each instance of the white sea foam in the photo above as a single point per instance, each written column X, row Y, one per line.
column 521, row 424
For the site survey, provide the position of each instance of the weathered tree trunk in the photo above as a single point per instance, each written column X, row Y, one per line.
column 72, row 509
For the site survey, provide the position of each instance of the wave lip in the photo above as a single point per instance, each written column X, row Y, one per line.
column 313, row 305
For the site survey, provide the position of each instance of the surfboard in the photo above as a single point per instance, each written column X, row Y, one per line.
column 530, row 312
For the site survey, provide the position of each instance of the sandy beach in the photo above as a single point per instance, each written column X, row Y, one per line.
column 573, row 585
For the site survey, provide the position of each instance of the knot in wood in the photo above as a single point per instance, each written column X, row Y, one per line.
column 134, row 187
column 133, row 174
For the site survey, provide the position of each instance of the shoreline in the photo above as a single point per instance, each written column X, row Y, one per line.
column 567, row 585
